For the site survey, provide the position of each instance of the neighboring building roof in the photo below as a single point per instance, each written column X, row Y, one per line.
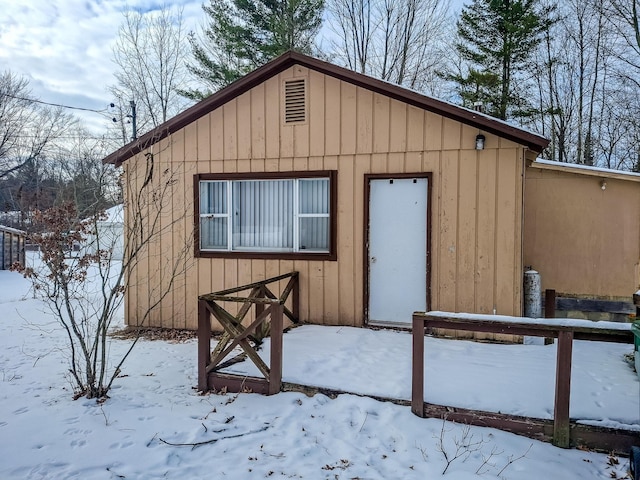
column 12, row 230
column 115, row 214
column 470, row 117
column 586, row 170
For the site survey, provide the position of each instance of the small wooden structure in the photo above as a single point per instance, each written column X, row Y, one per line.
column 561, row 431
column 12, row 251
column 268, row 308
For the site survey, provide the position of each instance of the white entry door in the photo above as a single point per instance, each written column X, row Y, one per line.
column 397, row 249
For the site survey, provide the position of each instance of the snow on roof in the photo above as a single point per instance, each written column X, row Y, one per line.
column 115, row 214
column 12, row 230
column 587, row 169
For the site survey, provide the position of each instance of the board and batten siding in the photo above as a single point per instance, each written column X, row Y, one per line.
column 583, row 239
column 476, row 199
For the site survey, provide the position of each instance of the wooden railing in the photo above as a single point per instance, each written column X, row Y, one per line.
column 269, row 312
column 560, row 431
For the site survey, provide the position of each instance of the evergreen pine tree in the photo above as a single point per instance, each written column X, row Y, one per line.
column 242, row 35
column 498, row 38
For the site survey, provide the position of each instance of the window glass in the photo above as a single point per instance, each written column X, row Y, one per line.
column 314, row 195
column 314, row 233
column 213, row 215
column 213, row 197
column 283, row 215
column 262, row 214
column 213, row 233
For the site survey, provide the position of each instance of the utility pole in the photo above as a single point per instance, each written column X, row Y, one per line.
column 133, row 120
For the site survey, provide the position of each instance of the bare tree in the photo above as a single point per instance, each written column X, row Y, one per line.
column 624, row 20
column 149, row 53
column 398, row 41
column 624, row 17
column 27, row 128
column 575, row 84
column 83, row 283
column 585, row 31
column 619, row 127
column 83, row 179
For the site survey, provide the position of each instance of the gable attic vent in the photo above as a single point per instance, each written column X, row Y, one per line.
column 294, row 101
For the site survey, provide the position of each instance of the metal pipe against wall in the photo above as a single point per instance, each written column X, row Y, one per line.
column 532, row 302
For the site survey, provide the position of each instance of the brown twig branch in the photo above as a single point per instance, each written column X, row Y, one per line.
column 213, row 440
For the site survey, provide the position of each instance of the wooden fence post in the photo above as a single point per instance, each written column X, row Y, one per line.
column 549, row 309
column 549, row 303
column 295, row 299
column 204, row 345
column 263, row 330
column 561, row 434
column 417, row 370
column 275, row 364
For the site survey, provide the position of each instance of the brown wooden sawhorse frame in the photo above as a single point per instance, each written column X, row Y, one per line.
column 560, row 431
column 267, row 307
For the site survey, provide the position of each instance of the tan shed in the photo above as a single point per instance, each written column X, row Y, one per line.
column 582, row 233
column 380, row 197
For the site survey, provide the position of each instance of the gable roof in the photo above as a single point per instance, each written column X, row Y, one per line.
column 464, row 115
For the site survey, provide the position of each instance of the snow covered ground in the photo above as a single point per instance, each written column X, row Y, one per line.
column 44, row 434
column 515, row 379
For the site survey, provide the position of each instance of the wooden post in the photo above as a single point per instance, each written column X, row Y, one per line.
column 295, row 299
column 417, row 369
column 260, row 306
column 549, row 309
column 275, row 366
column 549, row 303
column 561, row 434
column 204, row 345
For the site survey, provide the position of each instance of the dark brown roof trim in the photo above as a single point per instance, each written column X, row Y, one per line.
column 483, row 122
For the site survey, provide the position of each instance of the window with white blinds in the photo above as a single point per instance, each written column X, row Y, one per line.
column 280, row 215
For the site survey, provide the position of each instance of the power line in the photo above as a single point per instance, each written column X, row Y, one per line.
column 33, row 100
column 72, row 137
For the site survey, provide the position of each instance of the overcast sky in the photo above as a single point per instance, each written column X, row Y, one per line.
column 64, row 46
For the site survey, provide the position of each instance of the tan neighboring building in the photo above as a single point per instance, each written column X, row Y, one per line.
column 582, row 231
column 386, row 201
